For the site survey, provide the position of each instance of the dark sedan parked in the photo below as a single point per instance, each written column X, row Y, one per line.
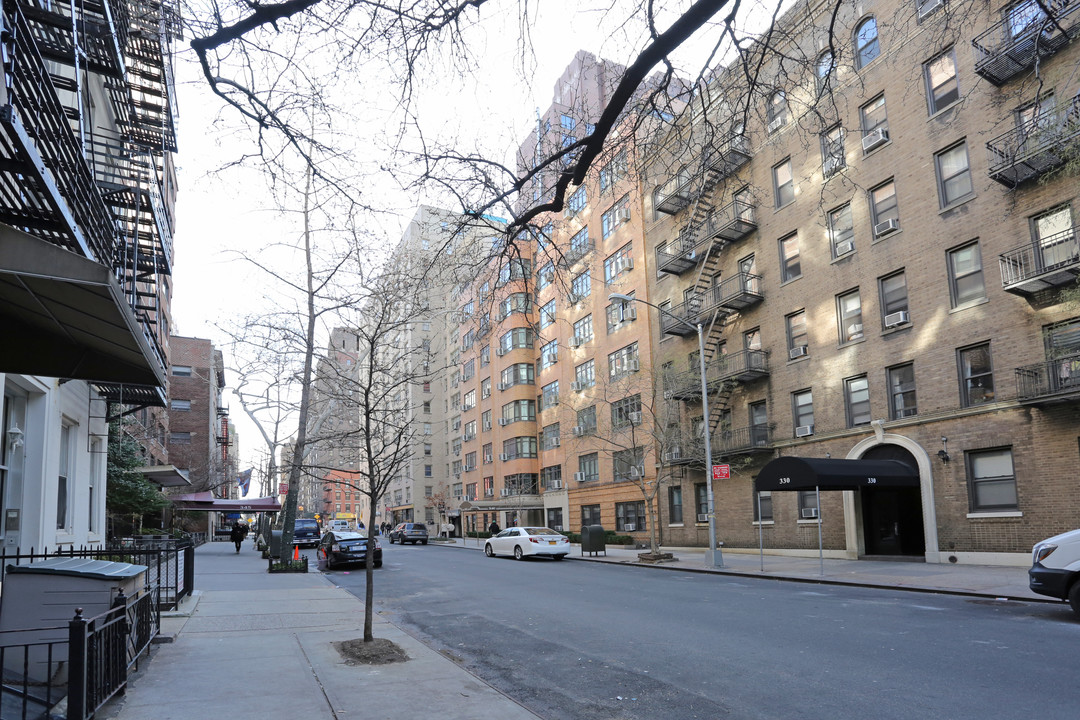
column 345, row 547
column 408, row 532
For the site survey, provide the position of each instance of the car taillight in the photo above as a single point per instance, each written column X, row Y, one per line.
column 377, row 545
column 535, row 540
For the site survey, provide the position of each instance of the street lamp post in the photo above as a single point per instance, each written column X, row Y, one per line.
column 714, row 557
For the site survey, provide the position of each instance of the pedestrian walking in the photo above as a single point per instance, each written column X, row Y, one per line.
column 237, row 534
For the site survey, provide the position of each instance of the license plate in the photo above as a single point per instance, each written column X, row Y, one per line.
column 551, row 542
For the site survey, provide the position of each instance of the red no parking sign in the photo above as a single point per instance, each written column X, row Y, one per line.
column 721, row 472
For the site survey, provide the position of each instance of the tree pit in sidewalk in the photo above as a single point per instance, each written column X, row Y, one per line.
column 377, row 652
column 661, row 557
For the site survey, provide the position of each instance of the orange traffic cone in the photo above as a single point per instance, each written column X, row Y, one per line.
column 296, row 552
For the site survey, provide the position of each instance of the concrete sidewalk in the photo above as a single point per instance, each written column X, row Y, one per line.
column 250, row 644
column 977, row 580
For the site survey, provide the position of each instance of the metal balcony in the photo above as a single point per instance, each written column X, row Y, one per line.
column 732, row 222
column 1052, row 381
column 675, row 195
column 575, row 254
column 1022, row 37
column 1051, row 262
column 680, row 320
column 1035, row 147
column 730, row 157
column 739, row 292
column 742, row 366
column 733, row 441
column 673, row 258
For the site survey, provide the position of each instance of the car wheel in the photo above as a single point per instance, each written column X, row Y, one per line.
column 559, row 557
column 1074, row 598
column 488, row 551
column 391, row 538
column 378, row 563
column 518, row 555
column 423, row 542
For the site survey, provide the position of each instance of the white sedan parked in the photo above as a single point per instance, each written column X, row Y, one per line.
column 522, row 541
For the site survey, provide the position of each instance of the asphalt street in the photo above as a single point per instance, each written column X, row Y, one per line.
column 576, row 641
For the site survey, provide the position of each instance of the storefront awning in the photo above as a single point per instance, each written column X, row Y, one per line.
column 165, row 475
column 65, row 316
column 795, row 473
column 207, row 502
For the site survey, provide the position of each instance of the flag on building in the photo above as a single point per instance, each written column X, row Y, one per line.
column 244, row 481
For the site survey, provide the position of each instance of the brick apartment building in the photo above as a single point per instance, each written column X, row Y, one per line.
column 198, row 422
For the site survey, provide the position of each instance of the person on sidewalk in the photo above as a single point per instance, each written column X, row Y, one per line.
column 237, row 534
column 493, row 528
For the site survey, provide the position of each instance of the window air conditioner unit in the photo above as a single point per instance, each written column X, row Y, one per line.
column 487, row 425
column 504, row 457
column 487, row 458
column 875, row 138
column 502, row 386
column 575, row 342
column 552, row 443
column 568, row 212
column 885, row 228
column 804, row 431
column 703, row 517
column 624, row 214
column 673, row 455
column 579, row 477
column 501, row 351
column 505, row 492
column 626, row 264
column 809, row 513
column 634, row 417
column 629, row 527
column 633, row 365
column 897, row 318
column 776, row 124
column 843, row 248
column 504, row 421
column 577, row 386
column 470, row 468
column 637, row 472
column 556, row 485
column 797, row 352
column 928, row 7
column 577, row 430
column 629, row 313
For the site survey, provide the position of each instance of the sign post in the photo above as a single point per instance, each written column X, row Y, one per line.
column 721, row 472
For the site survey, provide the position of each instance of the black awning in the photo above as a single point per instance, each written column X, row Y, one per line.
column 65, row 316
column 795, row 473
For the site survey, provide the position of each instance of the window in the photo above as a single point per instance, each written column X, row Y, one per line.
column 181, row 371
column 580, row 287
column 942, row 89
column 808, row 505
column 626, row 412
column 965, row 275
column 469, row 401
column 953, row 174
column 549, row 395
column 485, row 356
column 790, row 267
column 586, row 420
column 619, row 262
column 1054, row 236
column 701, row 502
column 518, row 374
column 751, row 341
column 613, row 172
column 777, row 112
column 630, row 516
column 515, row 303
column 925, row 7
column 763, row 507
column 67, row 463
column 616, row 215
column 485, row 388
column 619, row 312
column 849, row 314
column 427, row 471
column 675, row 506
column 623, row 361
column 796, row 334
column 427, row 449
column 902, row 391
column 872, row 116
column 487, row 452
column 181, row 405
column 589, row 467
column 520, row 447
column 628, row 464
column 590, row 514
column 993, row 484
column 857, row 401
column 515, row 338
column 802, row 409
column 583, row 329
column 883, row 208
column 783, row 184
column 577, row 200
column 866, row 42
column 545, row 277
column 580, row 245
column 976, row 375
column 485, row 419
column 832, row 150
column 841, row 230
column 489, row 486
column 549, row 354
column 180, row 438
column 551, row 477
column 519, row 410
column 427, row 429
column 470, row 430
column 894, row 298
column 585, row 374
column 551, row 436
column 824, row 71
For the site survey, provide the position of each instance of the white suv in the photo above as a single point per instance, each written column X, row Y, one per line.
column 1055, row 568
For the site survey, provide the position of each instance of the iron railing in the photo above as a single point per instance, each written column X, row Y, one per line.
column 1023, row 35
column 1036, row 146
column 1027, row 262
column 1058, row 377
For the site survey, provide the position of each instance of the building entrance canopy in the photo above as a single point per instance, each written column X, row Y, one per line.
column 795, row 473
column 207, row 502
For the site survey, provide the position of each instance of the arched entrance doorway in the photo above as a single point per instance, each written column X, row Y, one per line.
column 892, row 517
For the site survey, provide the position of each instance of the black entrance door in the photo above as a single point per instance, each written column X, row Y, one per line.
column 892, row 521
column 892, row 517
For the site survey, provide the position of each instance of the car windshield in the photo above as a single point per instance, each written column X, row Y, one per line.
column 307, row 525
column 348, row 536
column 541, row 531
